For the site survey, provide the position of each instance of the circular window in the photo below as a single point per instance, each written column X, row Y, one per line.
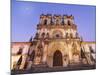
column 57, row 34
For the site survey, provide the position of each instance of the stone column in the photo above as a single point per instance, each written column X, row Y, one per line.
column 44, row 54
column 70, row 53
column 65, row 60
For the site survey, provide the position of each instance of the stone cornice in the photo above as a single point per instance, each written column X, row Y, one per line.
column 56, row 26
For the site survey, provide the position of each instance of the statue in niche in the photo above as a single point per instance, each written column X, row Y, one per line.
column 71, row 35
column 62, row 21
column 66, row 35
column 48, row 21
column 49, row 18
column 75, row 51
column 40, row 52
column 31, row 54
column 47, row 36
column 75, row 54
column 54, row 17
column 41, row 21
column 57, row 20
column 65, row 21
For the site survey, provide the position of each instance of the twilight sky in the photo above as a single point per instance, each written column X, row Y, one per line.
column 25, row 17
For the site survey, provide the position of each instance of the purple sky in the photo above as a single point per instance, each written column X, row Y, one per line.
column 25, row 17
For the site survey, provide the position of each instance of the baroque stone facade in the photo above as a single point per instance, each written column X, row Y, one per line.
column 56, row 43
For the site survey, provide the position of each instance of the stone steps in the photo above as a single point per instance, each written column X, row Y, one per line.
column 53, row 69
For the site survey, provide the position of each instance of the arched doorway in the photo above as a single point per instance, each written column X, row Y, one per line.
column 57, row 58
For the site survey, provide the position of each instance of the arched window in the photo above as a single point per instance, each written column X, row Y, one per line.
column 45, row 22
column 69, row 23
column 20, row 51
column 66, row 35
column 47, row 35
column 43, row 35
column 71, row 35
column 57, row 34
column 36, row 36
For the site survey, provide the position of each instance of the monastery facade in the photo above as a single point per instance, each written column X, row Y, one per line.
column 56, row 44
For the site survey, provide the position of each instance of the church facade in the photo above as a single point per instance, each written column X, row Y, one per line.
column 56, row 44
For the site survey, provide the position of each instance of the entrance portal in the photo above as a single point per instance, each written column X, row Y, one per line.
column 57, row 58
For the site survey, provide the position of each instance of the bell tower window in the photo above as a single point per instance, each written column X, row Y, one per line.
column 69, row 23
column 45, row 22
column 43, row 35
